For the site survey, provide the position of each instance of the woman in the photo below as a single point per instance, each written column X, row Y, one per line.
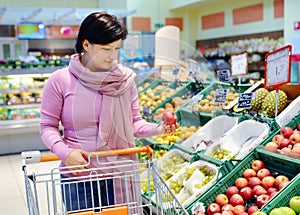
column 96, row 101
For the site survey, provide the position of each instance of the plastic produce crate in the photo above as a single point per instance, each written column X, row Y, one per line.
column 292, row 124
column 205, row 106
column 212, row 130
column 147, row 83
column 237, row 142
column 173, row 170
column 275, row 163
column 293, row 189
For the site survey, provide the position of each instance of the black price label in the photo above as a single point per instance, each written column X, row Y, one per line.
column 223, row 75
column 220, row 96
column 147, row 112
column 245, row 100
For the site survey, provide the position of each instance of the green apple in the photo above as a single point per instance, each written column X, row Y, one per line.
column 287, row 211
column 295, row 204
column 276, row 211
column 259, row 213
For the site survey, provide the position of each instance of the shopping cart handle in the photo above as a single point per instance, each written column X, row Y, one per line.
column 35, row 156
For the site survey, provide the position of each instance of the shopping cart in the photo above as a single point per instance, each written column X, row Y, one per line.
column 46, row 192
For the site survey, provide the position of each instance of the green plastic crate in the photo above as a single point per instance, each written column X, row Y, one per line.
column 151, row 81
column 293, row 124
column 293, row 189
column 274, row 162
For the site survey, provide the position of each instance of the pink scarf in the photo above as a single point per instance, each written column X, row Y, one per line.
column 115, row 124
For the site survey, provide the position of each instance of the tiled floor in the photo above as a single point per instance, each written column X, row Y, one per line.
column 12, row 186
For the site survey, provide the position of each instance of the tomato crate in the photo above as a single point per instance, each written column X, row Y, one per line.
column 277, row 164
column 293, row 189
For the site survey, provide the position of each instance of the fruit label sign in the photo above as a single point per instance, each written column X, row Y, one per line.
column 147, row 111
column 223, row 75
column 239, row 64
column 220, row 96
column 278, row 67
column 194, row 100
column 245, row 100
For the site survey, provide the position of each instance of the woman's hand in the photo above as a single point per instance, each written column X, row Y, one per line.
column 78, row 160
column 162, row 128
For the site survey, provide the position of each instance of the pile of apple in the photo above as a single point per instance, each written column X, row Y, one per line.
column 249, row 192
column 286, row 142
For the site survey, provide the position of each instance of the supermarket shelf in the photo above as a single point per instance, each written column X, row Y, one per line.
column 19, row 126
column 21, row 106
column 29, row 71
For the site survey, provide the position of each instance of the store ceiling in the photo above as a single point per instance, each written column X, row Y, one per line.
column 53, row 16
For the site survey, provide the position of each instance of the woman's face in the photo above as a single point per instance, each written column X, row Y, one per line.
column 100, row 57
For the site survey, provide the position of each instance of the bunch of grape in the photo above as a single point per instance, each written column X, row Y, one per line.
column 145, row 185
column 221, row 154
column 176, row 185
column 205, row 181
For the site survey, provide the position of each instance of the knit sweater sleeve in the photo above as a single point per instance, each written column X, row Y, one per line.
column 51, row 107
column 141, row 127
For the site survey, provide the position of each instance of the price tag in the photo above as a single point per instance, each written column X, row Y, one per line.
column 245, row 100
column 194, row 100
column 278, row 67
column 223, row 75
column 220, row 96
column 239, row 64
column 176, row 70
column 147, row 111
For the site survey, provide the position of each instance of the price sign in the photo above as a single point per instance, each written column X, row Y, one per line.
column 223, row 75
column 194, row 100
column 278, row 67
column 220, row 96
column 147, row 111
column 245, row 100
column 239, row 64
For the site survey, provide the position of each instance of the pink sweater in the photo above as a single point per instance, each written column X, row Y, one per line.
column 56, row 107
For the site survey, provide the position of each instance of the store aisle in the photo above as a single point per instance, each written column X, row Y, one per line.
column 12, row 187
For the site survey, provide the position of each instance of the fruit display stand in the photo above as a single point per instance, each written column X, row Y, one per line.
column 286, row 140
column 283, row 199
column 276, row 164
column 205, row 108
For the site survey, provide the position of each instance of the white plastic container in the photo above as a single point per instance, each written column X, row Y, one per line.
column 241, row 139
column 212, row 130
column 289, row 112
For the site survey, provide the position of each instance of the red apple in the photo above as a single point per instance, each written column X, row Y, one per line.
column 271, row 146
column 296, row 150
column 227, row 213
column 262, row 200
column 259, row 190
column 236, row 199
column 295, row 138
column 246, row 193
column 257, row 165
column 296, row 145
column 264, row 172
column 271, row 190
column 238, row 209
column 227, row 207
column 201, row 213
column 252, row 209
column 286, row 151
column 241, row 182
column 282, row 184
column 279, row 179
column 213, row 208
column 272, row 194
column 298, row 127
column 277, row 138
column 296, row 131
column 221, row 199
column 284, row 143
column 231, row 190
column 169, row 118
column 254, row 181
column 286, row 131
column 248, row 173
column 268, row 181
